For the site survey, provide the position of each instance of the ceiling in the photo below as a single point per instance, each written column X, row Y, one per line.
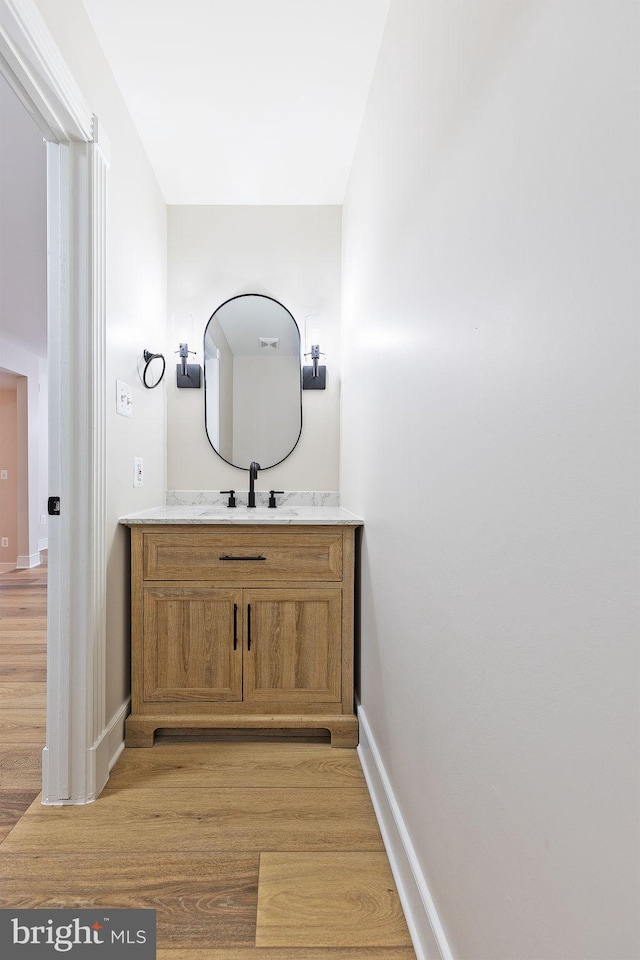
column 244, row 101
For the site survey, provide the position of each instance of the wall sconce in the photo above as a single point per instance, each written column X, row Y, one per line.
column 314, row 376
column 152, row 374
column 187, row 374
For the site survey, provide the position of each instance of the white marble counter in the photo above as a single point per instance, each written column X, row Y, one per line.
column 242, row 515
column 290, row 498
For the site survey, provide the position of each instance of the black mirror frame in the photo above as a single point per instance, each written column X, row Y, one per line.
column 273, row 300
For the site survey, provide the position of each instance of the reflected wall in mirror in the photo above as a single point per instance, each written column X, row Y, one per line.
column 252, row 380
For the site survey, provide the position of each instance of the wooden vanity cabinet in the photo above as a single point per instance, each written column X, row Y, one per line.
column 243, row 628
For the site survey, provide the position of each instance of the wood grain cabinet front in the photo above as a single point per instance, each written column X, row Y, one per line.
column 242, row 629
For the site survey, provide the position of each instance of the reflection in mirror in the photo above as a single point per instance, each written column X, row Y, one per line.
column 253, row 405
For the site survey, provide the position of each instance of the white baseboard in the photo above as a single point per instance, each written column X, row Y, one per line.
column 103, row 756
column 116, row 733
column 27, row 561
column 110, row 746
column 43, row 544
column 427, row 932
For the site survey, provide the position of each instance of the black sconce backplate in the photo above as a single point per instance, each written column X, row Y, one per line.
column 191, row 378
column 309, row 382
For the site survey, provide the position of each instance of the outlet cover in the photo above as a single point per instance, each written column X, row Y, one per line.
column 124, row 399
column 138, row 476
column 4, row 474
column 5, row 541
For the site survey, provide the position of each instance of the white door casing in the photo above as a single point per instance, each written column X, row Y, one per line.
column 75, row 758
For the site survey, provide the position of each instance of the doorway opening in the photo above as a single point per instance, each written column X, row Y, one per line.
column 23, row 456
column 75, row 758
column 23, row 335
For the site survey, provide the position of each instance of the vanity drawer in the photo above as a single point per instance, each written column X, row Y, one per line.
column 242, row 556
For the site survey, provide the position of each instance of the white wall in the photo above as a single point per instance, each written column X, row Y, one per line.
column 136, row 317
column 23, row 227
column 291, row 254
column 23, row 304
column 489, row 439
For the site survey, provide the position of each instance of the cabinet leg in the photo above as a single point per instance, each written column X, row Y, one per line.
column 138, row 732
column 345, row 734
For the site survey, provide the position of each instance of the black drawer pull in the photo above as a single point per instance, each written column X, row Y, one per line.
column 235, row 626
column 248, row 626
column 241, row 558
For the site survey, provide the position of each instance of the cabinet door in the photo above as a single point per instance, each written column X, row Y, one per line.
column 293, row 645
column 192, row 643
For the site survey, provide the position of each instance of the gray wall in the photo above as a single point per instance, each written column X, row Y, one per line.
column 489, row 439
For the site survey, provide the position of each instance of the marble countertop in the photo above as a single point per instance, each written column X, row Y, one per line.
column 242, row 515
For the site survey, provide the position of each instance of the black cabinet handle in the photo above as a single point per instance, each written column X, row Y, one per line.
column 248, row 626
column 235, row 626
column 225, row 557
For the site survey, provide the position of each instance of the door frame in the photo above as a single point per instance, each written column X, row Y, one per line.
column 75, row 757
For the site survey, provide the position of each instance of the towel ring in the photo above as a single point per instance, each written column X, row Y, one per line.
column 148, row 357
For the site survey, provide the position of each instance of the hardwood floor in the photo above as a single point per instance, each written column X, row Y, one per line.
column 247, row 851
column 23, row 652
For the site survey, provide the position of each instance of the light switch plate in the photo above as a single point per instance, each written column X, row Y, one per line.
column 138, row 476
column 4, row 474
column 124, row 399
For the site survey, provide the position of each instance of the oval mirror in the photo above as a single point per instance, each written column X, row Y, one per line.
column 252, row 381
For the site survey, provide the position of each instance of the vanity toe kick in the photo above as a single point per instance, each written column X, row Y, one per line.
column 343, row 730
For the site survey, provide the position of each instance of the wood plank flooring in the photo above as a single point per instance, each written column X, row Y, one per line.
column 328, row 900
column 23, row 652
column 247, row 851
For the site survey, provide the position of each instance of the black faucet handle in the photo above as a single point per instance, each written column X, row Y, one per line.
column 272, row 497
column 232, row 500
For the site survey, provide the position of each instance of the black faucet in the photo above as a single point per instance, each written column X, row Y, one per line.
column 272, row 497
column 253, row 476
